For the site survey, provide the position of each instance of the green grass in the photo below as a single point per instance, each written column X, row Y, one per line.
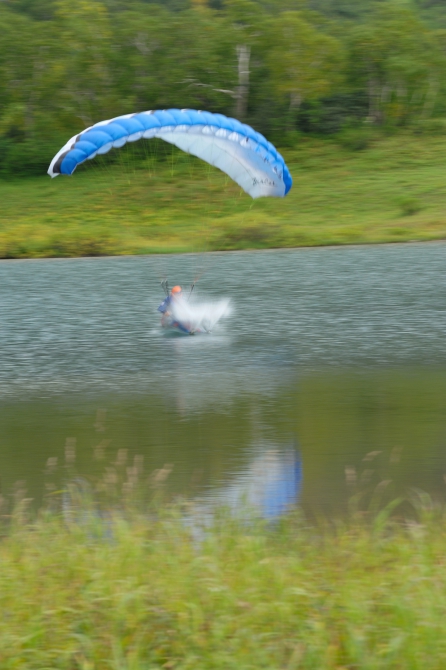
column 357, row 595
column 392, row 191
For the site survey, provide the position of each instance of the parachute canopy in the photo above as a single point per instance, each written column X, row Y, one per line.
column 233, row 147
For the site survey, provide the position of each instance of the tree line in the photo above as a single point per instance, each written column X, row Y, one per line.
column 285, row 66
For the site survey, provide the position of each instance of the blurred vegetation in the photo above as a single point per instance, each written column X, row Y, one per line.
column 327, row 80
column 315, row 67
column 357, row 188
column 135, row 591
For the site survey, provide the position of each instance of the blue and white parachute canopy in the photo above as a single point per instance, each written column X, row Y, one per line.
column 233, row 147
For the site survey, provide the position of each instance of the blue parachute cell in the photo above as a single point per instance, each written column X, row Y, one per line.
column 282, row 488
column 233, row 147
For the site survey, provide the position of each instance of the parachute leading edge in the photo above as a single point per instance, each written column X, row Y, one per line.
column 233, row 147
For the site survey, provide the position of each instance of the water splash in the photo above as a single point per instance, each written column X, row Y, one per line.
column 197, row 317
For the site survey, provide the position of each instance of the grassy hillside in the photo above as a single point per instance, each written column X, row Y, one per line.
column 391, row 191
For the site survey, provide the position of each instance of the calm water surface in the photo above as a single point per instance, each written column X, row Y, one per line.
column 340, row 349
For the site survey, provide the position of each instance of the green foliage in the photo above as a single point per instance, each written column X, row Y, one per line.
column 312, row 66
column 356, row 139
column 430, row 126
column 344, row 9
column 397, row 60
column 304, row 62
column 331, row 114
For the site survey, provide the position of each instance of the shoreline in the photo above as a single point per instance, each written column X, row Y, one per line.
column 229, row 251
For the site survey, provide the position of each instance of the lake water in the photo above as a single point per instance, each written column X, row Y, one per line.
column 340, row 351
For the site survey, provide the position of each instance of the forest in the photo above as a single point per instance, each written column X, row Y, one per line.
column 288, row 67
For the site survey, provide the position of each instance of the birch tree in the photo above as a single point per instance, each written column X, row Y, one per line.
column 305, row 63
column 397, row 59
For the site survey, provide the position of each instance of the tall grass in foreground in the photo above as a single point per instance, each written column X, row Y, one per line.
column 136, row 592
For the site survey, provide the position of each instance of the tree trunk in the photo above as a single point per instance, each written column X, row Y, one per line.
column 375, row 112
column 430, row 99
column 241, row 104
column 295, row 103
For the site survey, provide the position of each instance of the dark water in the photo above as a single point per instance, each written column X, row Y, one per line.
column 339, row 349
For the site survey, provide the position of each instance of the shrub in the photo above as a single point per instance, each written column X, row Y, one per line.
column 409, row 205
column 356, row 139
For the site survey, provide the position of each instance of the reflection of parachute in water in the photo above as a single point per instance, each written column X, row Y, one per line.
column 268, row 488
column 233, row 147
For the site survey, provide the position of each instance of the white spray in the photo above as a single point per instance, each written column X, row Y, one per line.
column 198, row 316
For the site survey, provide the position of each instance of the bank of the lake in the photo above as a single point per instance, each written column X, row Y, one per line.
column 382, row 189
column 139, row 595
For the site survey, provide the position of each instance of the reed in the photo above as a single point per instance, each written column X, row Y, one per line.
column 135, row 591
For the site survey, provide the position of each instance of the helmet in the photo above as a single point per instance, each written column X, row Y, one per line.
column 176, row 289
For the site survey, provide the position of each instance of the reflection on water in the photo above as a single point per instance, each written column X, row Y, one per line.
column 268, row 486
column 341, row 349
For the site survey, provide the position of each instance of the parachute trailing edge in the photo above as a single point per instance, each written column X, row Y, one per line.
column 233, row 147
